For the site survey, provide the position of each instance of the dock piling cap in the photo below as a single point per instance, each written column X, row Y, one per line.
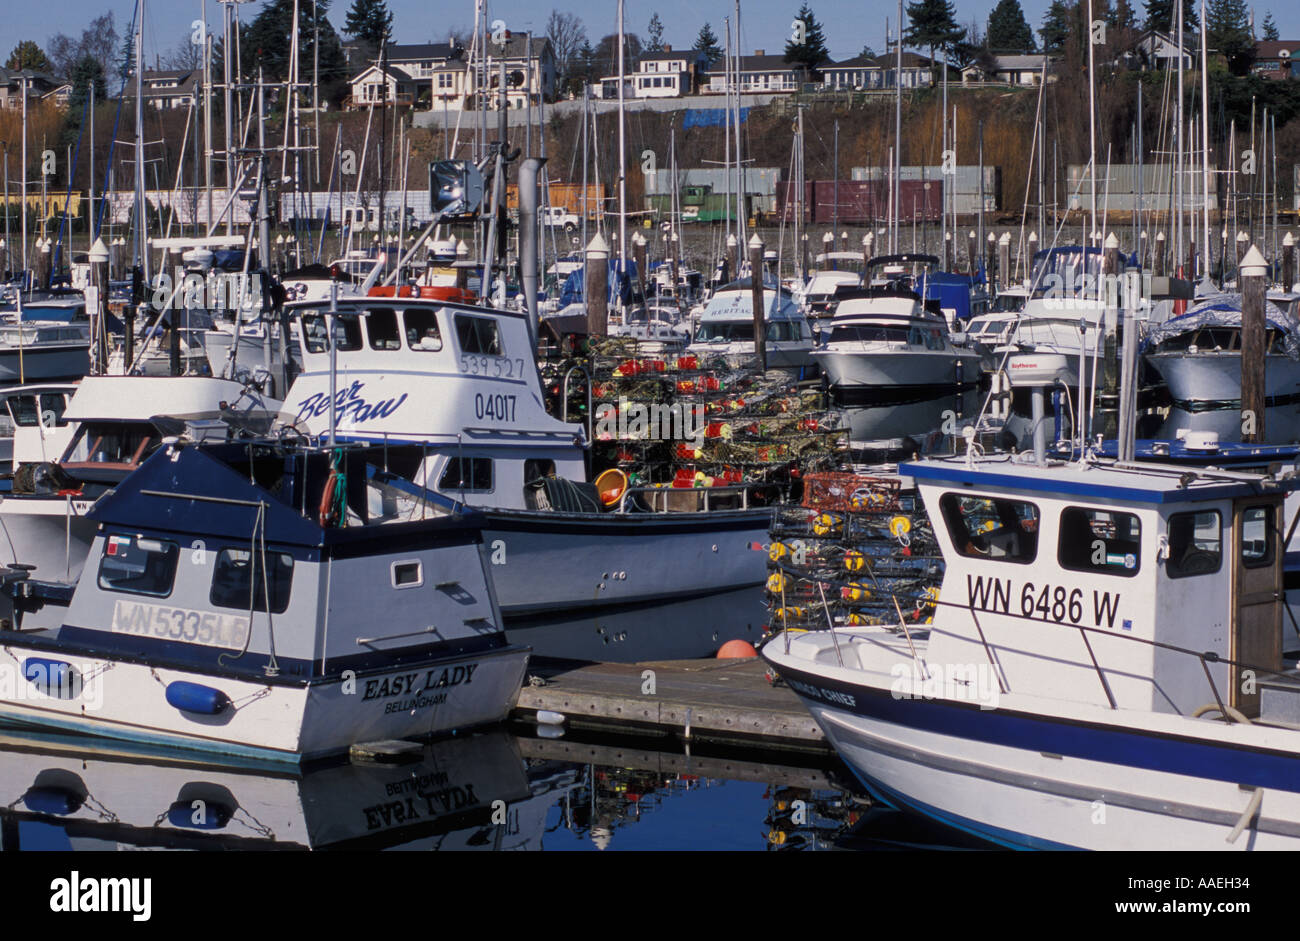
column 598, row 247
column 1253, row 264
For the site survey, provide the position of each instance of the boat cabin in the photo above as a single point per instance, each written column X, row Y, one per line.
column 460, row 381
column 1156, row 589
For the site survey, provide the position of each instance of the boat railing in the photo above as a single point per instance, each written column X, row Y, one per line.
column 1205, row 657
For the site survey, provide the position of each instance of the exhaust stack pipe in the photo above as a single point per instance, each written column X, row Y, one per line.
column 528, row 238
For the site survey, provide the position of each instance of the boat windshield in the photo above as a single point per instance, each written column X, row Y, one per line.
column 739, row 331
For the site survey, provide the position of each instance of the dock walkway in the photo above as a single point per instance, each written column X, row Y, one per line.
column 719, row 700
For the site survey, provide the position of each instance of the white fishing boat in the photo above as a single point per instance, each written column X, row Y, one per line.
column 461, row 382
column 33, row 426
column 1105, row 667
column 1198, row 354
column 246, row 649
column 112, row 423
column 883, row 341
column 726, row 328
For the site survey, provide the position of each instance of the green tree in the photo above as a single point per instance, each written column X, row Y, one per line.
column 1270, row 28
column 933, row 24
column 264, row 44
column 369, row 21
column 811, row 52
column 1056, row 26
column 867, row 52
column 1227, row 33
column 86, row 72
column 28, row 55
column 1161, row 15
column 655, row 34
column 1008, row 30
column 706, row 43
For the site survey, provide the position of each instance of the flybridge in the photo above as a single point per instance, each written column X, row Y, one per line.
column 414, row 369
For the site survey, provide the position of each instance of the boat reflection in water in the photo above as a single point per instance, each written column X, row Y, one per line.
column 920, row 418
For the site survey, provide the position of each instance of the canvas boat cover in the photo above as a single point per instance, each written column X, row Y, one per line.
column 1224, row 310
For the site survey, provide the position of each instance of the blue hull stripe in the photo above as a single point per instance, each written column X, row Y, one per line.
column 1092, row 741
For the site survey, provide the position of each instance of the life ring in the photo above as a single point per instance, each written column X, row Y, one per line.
column 327, row 515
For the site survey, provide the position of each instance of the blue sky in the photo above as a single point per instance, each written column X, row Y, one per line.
column 764, row 23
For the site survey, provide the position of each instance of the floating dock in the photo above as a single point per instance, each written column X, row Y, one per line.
column 714, row 700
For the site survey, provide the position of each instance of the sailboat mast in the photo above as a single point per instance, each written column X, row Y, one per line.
column 1178, row 149
column 895, row 190
column 141, row 251
column 622, row 153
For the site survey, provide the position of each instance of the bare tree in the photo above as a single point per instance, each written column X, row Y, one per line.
column 98, row 40
column 567, row 34
column 185, row 56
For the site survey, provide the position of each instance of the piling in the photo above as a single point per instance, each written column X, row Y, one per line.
column 971, row 255
column 1288, row 261
column 1158, row 265
column 596, row 287
column 639, row 256
column 1004, row 260
column 1251, row 274
column 733, row 255
column 756, row 287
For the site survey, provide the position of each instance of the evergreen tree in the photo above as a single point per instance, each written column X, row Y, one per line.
column 655, row 33
column 264, row 44
column 1121, row 16
column 706, row 43
column 867, row 52
column 587, row 61
column 933, row 24
column 1056, row 26
column 1162, row 13
column 1008, row 30
column 1270, row 28
column 85, row 72
column 28, row 55
column 1227, row 33
column 812, row 51
column 369, row 21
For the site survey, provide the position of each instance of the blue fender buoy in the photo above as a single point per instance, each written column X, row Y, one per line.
column 55, row 801
column 194, row 697
column 56, row 678
column 199, row 815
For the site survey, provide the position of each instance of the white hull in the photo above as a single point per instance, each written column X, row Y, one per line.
column 126, row 700
column 880, row 368
column 1033, row 799
column 1216, row 377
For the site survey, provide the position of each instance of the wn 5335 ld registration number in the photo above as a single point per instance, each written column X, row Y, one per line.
column 191, row 627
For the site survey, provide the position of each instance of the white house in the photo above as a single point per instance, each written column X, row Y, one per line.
column 1011, row 70
column 757, row 74
column 665, row 74
column 860, row 72
column 1157, row 50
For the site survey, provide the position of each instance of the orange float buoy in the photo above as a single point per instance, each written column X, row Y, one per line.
column 611, row 485
column 736, row 650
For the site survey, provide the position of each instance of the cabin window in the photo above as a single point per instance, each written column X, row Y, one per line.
column 347, row 332
column 138, row 565
column 869, row 333
column 1257, row 536
column 238, row 581
column 111, row 443
column 422, row 329
column 407, row 574
column 381, row 325
column 30, row 410
column 466, row 473
column 1100, row 541
column 1195, row 544
column 991, row 527
column 478, row 335
column 536, row 468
